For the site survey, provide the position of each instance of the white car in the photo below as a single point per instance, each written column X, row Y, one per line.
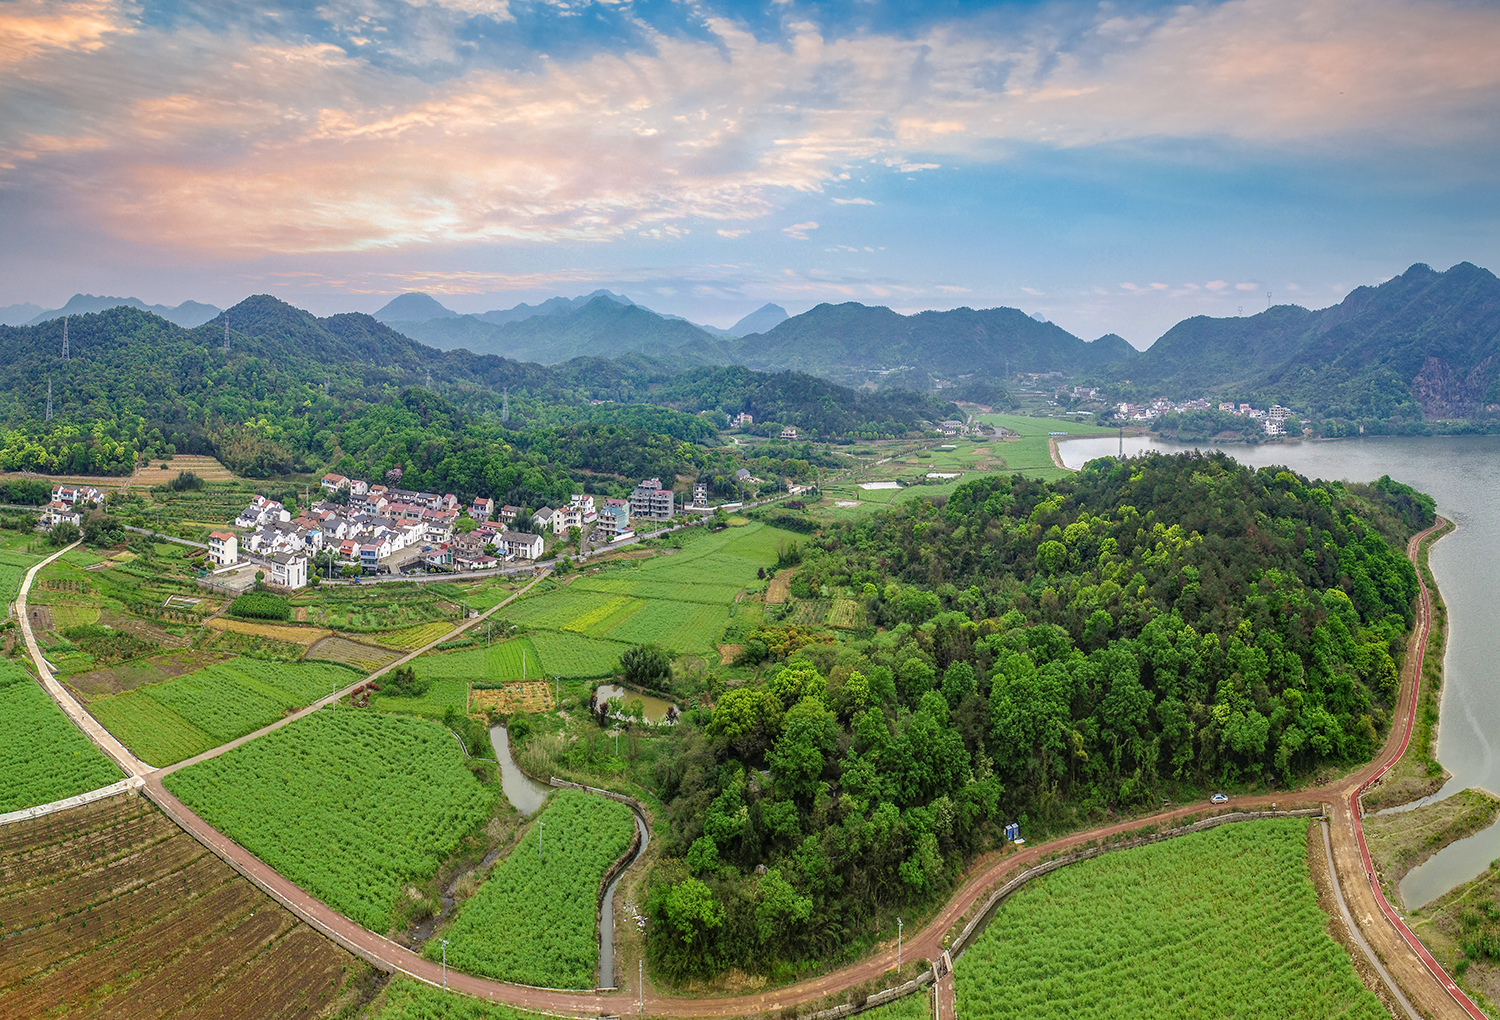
column 1218, row 798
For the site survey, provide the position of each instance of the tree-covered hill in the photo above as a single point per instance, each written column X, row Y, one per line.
column 1423, row 347
column 1047, row 653
column 290, row 384
column 854, row 344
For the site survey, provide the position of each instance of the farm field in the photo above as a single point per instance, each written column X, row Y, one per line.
column 533, row 921
column 451, row 673
column 406, row 999
column 167, row 722
column 682, row 601
column 1218, row 923
column 43, row 756
column 355, row 654
column 349, row 805
column 111, row 910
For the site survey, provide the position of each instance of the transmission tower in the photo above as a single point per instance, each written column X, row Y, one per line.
column 505, row 406
column 226, row 334
column 49, row 398
column 65, row 338
column 325, row 386
column 429, row 379
column 1268, row 300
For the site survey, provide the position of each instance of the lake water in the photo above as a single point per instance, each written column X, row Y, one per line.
column 1463, row 474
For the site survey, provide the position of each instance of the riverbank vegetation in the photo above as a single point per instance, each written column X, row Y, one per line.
column 1400, row 840
column 1223, row 922
column 533, row 920
column 1462, row 931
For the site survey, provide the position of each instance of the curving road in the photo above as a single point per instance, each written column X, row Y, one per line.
column 1423, row 980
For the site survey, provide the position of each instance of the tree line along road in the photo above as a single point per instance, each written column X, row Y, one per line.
column 1429, row 988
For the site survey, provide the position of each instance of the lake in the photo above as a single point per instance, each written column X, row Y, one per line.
column 1463, row 474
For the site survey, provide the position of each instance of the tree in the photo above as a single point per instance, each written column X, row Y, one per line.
column 646, row 666
column 406, row 683
column 101, row 529
column 65, row 533
column 464, row 525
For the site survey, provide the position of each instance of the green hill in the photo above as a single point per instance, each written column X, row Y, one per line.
column 1420, row 348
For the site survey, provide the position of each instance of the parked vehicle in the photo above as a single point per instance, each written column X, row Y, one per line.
column 1219, row 798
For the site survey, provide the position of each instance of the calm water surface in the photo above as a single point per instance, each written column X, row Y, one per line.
column 520, row 789
column 1463, row 474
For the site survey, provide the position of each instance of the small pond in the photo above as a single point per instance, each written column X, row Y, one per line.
column 656, row 708
column 520, row 789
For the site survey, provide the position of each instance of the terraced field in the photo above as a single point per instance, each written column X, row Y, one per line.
column 110, row 910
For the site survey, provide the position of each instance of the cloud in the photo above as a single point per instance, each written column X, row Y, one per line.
column 854, row 201
column 799, row 230
column 731, row 233
column 1216, row 285
column 1245, row 286
column 235, row 140
column 950, row 289
column 29, row 28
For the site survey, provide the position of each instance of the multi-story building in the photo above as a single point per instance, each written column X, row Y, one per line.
column 651, row 501
column 520, row 544
column 482, row 509
column 614, row 519
column 223, row 548
column 289, row 570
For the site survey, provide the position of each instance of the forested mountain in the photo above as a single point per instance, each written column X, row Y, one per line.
column 1424, row 346
column 189, row 313
column 603, row 327
column 292, row 389
column 856, row 345
column 1047, row 653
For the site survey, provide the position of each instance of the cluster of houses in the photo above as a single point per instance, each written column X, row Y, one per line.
column 68, row 503
column 364, row 524
column 1272, row 420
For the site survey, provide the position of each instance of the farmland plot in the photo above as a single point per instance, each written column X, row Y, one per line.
column 43, row 756
column 145, row 922
column 533, row 919
column 167, row 722
column 1220, row 923
column 573, row 656
column 676, row 626
column 350, row 806
column 406, row 999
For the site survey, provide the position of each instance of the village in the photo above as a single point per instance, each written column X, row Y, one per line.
column 358, row 529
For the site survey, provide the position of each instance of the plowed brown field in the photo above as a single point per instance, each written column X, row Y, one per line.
column 112, row 910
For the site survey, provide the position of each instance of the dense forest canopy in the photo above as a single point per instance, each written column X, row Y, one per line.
column 1045, row 653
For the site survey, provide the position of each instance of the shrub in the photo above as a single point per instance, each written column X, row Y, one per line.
column 259, row 605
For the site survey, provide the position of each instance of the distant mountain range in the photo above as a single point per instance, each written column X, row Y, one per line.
column 1422, row 347
column 188, row 314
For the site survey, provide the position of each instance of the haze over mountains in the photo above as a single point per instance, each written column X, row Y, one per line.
column 188, row 314
column 1422, row 347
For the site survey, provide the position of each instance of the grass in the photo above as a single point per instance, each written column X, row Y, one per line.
column 1220, row 923
column 1401, row 840
column 533, row 921
column 351, row 806
column 187, row 715
column 917, row 1006
column 43, row 756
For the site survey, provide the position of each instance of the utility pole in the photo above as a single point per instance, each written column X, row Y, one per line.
column 539, row 834
column 640, row 981
column 445, row 963
column 899, row 925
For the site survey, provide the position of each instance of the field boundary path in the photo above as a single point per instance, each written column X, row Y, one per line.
column 78, row 800
column 1424, row 982
column 122, row 756
column 1354, row 931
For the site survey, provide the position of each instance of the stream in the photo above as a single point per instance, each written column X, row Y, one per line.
column 527, row 795
column 1463, row 474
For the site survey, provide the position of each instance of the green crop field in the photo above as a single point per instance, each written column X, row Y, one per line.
column 503, row 660
column 533, row 920
column 1220, row 923
column 167, row 722
column 406, row 999
column 574, row 656
column 43, row 756
column 681, row 601
column 349, row 805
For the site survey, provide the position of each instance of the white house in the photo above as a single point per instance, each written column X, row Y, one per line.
column 58, row 512
column 544, row 517
column 289, row 570
column 482, row 509
column 521, row 545
column 223, row 548
column 333, row 483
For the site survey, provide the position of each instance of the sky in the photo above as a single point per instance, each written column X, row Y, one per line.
column 1113, row 167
